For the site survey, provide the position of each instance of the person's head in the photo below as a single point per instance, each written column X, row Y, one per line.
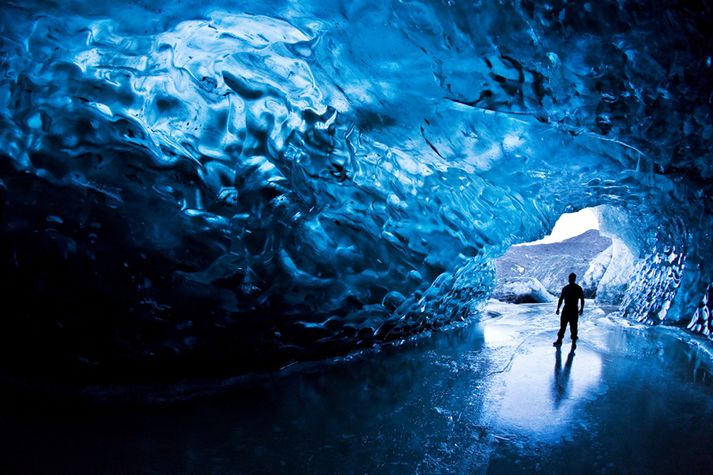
column 572, row 278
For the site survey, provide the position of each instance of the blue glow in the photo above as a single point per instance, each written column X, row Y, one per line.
column 245, row 188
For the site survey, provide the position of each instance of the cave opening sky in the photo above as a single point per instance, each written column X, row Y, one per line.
column 570, row 225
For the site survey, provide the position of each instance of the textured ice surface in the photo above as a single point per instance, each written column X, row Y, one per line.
column 612, row 286
column 522, row 290
column 493, row 396
column 597, row 268
column 196, row 185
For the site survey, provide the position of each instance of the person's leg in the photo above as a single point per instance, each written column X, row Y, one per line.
column 573, row 322
column 563, row 327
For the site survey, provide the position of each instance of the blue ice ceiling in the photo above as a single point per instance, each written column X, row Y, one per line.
column 239, row 185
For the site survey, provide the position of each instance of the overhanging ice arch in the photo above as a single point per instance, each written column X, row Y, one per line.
column 222, row 191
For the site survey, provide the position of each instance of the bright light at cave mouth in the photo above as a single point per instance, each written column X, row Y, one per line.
column 570, row 225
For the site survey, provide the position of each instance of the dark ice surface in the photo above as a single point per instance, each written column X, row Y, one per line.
column 490, row 397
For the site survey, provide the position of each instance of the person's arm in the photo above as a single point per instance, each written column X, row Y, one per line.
column 559, row 304
column 581, row 298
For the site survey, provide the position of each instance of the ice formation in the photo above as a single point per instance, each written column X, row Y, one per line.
column 617, row 273
column 523, row 290
column 597, row 268
column 234, row 186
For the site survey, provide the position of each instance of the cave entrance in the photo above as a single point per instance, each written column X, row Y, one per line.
column 535, row 272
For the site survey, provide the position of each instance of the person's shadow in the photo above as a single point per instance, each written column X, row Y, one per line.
column 560, row 385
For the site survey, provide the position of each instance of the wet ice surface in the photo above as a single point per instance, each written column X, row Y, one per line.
column 493, row 397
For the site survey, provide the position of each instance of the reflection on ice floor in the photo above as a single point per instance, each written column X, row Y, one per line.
column 540, row 401
column 493, row 397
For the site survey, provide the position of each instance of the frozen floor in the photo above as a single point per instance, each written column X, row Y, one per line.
column 492, row 397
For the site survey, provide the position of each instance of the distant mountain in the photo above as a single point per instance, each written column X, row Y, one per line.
column 550, row 264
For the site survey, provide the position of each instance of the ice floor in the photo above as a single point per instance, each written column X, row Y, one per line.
column 491, row 397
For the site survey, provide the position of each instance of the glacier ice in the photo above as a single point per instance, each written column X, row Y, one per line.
column 597, row 268
column 612, row 286
column 522, row 290
column 192, row 185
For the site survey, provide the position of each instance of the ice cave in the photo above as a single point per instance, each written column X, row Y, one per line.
column 303, row 236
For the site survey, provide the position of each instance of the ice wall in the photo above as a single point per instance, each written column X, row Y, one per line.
column 613, row 270
column 192, row 185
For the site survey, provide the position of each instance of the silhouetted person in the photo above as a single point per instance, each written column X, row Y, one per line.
column 560, row 385
column 571, row 294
